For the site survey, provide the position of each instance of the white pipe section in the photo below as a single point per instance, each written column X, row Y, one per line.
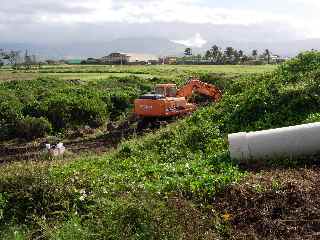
column 288, row 142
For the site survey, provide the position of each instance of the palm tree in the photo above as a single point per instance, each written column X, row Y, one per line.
column 255, row 54
column 199, row 57
column 236, row 55
column 267, row 54
column 188, row 52
column 230, row 54
column 208, row 55
column 240, row 53
column 215, row 53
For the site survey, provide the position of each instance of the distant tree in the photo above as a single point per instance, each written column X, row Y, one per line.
column 240, row 56
column 215, row 54
column 240, row 53
column 207, row 55
column 245, row 58
column 188, row 52
column 236, row 56
column 255, row 53
column 27, row 60
column 1, row 64
column 229, row 51
column 199, row 57
column 267, row 54
column 229, row 54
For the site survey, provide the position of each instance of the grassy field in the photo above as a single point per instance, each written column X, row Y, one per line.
column 96, row 72
column 177, row 182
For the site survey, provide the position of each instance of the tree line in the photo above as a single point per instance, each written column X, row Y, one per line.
column 229, row 55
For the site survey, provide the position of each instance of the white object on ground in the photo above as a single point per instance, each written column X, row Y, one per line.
column 57, row 150
column 288, row 142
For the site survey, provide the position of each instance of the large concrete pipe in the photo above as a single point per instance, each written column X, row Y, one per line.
column 288, row 142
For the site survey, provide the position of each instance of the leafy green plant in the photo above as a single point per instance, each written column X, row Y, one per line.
column 30, row 127
column 3, row 203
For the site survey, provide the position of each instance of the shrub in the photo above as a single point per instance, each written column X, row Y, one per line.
column 293, row 70
column 64, row 111
column 65, row 104
column 31, row 128
column 10, row 107
column 120, row 103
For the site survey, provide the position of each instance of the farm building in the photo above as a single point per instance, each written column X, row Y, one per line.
column 115, row 58
column 140, row 58
column 74, row 61
column 169, row 60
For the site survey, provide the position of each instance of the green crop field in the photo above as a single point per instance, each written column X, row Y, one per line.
column 177, row 182
column 94, row 72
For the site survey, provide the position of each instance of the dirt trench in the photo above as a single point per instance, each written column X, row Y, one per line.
column 97, row 145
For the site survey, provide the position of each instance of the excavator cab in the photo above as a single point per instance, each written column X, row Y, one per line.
column 166, row 90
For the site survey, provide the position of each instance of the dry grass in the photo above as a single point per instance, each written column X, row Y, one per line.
column 9, row 76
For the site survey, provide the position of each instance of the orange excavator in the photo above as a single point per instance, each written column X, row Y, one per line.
column 169, row 102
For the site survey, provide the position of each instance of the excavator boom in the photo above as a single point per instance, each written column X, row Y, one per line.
column 195, row 85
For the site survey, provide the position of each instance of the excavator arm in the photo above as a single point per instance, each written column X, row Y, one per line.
column 195, row 85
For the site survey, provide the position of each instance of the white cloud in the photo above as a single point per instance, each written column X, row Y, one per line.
column 195, row 41
column 44, row 13
column 137, row 11
column 141, row 11
column 168, row 11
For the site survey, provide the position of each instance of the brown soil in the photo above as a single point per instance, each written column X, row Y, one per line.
column 98, row 145
column 273, row 204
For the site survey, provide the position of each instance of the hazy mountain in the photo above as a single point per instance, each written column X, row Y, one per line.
column 156, row 46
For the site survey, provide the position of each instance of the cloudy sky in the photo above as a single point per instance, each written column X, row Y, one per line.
column 191, row 22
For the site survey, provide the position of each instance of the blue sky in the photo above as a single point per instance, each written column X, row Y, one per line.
column 188, row 21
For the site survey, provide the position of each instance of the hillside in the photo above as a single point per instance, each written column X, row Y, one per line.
column 157, row 46
column 179, row 182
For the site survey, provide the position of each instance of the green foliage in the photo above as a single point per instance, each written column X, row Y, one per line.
column 295, row 69
column 67, row 110
column 65, row 104
column 125, row 194
column 71, row 230
column 3, row 204
column 31, row 128
column 10, row 107
column 12, row 233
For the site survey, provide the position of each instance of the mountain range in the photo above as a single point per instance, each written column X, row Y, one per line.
column 155, row 46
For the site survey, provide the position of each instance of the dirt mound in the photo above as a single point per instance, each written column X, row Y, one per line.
column 274, row 204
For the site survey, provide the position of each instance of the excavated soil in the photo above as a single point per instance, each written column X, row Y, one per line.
column 273, row 204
